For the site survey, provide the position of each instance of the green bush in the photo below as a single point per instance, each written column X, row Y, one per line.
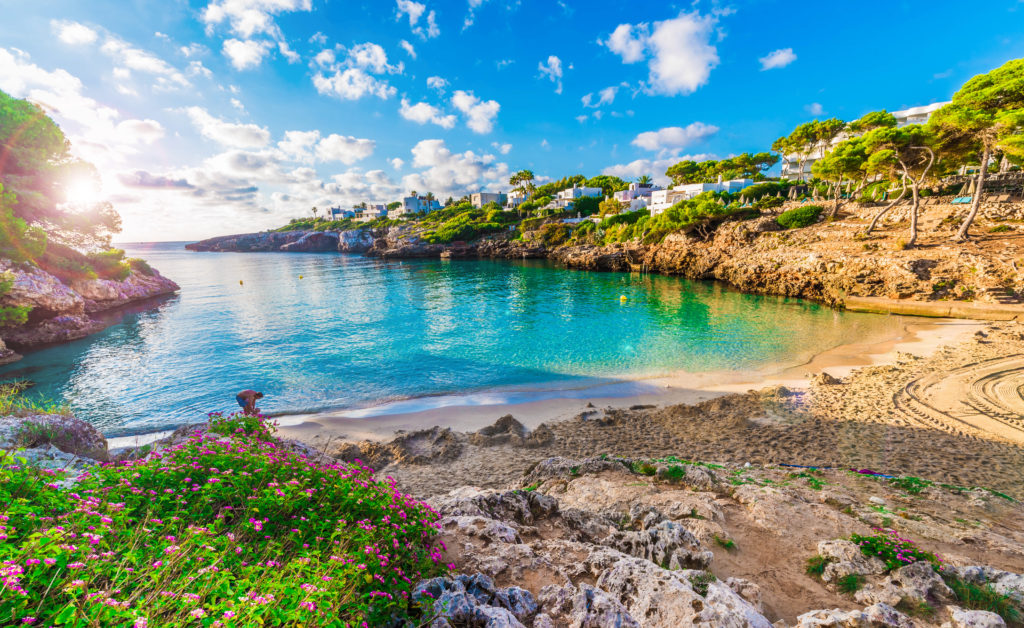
column 235, row 530
column 799, row 217
column 815, row 565
column 982, row 597
column 586, row 205
column 140, row 266
column 555, row 234
column 769, row 202
column 110, row 264
column 701, row 212
column 15, row 314
column 894, row 550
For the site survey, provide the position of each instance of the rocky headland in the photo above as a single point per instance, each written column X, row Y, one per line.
column 832, row 262
column 62, row 311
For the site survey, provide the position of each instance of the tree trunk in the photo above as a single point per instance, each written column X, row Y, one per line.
column 835, row 206
column 878, row 216
column 962, row 234
column 913, row 214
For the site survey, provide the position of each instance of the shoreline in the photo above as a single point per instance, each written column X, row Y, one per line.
column 921, row 338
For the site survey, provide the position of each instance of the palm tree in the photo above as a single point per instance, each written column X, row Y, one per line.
column 315, row 212
column 429, row 196
column 523, row 182
column 413, row 193
column 644, row 181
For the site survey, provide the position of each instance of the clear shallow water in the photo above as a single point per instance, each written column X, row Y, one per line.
column 354, row 332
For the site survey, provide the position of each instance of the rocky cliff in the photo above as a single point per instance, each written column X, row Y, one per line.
column 60, row 311
column 827, row 262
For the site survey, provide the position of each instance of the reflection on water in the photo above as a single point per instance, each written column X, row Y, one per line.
column 355, row 331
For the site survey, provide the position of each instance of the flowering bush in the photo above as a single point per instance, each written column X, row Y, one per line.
column 894, row 550
column 216, row 531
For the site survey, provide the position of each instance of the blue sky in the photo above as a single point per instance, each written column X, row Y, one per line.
column 218, row 116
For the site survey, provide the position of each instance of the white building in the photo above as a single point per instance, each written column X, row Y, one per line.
column 791, row 162
column 637, row 196
column 663, row 199
column 337, row 213
column 514, row 199
column 566, row 197
column 482, row 198
column 371, row 212
column 416, row 205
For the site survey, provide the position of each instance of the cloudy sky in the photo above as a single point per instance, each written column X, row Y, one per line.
column 208, row 117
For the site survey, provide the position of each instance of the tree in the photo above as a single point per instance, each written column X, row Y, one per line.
column 907, row 151
column 844, row 163
column 798, row 142
column 872, row 121
column 987, row 113
column 609, row 184
column 744, row 165
column 317, row 211
column 610, row 206
column 644, row 180
column 413, row 193
column 523, row 182
column 395, row 205
column 429, row 196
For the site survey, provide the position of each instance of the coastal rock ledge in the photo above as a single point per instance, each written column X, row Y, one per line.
column 61, row 312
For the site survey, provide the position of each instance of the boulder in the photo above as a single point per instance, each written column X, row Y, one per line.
column 583, row 607
column 845, row 558
column 876, row 616
column 62, row 328
column 508, row 431
column 1003, row 582
column 521, row 507
column 473, row 600
column 313, row 242
column 66, row 433
column 666, row 543
column 918, row 582
column 960, row 618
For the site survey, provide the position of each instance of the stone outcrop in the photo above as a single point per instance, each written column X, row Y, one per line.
column 508, row 431
column 66, row 433
column 59, row 312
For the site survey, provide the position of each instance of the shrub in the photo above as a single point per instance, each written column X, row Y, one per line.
column 110, row 264
column 700, row 581
column 13, row 314
column 850, row 583
column 728, row 544
column 66, row 263
column 982, row 597
column 140, row 266
column 894, row 550
column 769, row 202
column 236, row 530
column 910, row 484
column 1000, row 229
column 799, row 217
column 586, row 205
column 815, row 565
column 555, row 234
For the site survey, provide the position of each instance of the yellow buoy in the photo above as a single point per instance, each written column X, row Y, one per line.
column 240, row 282
column 623, row 298
column 300, row 276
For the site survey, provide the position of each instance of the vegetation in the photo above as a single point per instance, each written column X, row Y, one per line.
column 225, row 528
column 984, row 598
column 894, row 550
column 14, row 401
column 799, row 217
column 815, row 566
column 744, row 165
column 464, row 222
column 850, row 583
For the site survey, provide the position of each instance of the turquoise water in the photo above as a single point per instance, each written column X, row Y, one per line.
column 354, row 332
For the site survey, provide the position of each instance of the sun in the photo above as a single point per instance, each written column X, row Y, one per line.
column 83, row 191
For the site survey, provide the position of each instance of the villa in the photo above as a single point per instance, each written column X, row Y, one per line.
column 416, row 205
column 791, row 161
column 514, row 199
column 637, row 196
column 565, row 197
column 337, row 213
column 370, row 212
column 480, row 199
column 663, row 199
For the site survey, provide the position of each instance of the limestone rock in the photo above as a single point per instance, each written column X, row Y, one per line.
column 1003, row 582
column 585, row 607
column 508, row 431
column 66, row 433
column 667, row 544
column 846, row 558
column 312, row 242
column 475, row 601
column 960, row 618
column 524, row 507
column 877, row 616
column 918, row 582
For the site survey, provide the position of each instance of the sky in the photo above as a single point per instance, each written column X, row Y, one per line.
column 209, row 117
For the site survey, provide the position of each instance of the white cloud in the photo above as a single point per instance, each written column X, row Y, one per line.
column 581, row 118
column 287, row 52
column 353, row 78
column 415, row 11
column 480, row 114
column 73, row 33
column 777, row 59
column 192, row 50
column 674, row 137
column 815, row 109
column 436, row 82
column 228, row 133
column 196, row 68
column 299, row 145
column 141, row 131
column 237, row 104
column 247, row 54
column 353, row 84
column 452, row 174
column 553, row 70
column 318, row 38
column 408, row 48
column 604, row 97
column 397, row 163
column 471, row 14
column 128, row 56
column 679, row 52
column 654, row 167
column 504, row 149
column 251, row 17
column 423, row 112
column 346, row 149
column 545, row 144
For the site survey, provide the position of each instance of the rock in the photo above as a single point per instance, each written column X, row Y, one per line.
column 475, row 601
column 845, row 558
column 559, row 467
column 877, row 616
column 748, row 591
column 419, row 447
column 1002, row 582
column 539, row 437
column 8, row 355
column 66, row 433
column 585, row 607
column 824, row 379
column 878, row 501
column 667, row 544
column 63, row 328
column 105, row 294
column 918, row 582
column 960, row 618
column 508, row 431
column 50, row 458
column 313, row 242
column 522, row 507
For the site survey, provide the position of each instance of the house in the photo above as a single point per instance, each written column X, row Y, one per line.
column 663, row 199
column 371, row 212
column 791, row 161
column 337, row 213
column 483, row 198
column 514, row 199
column 416, row 205
column 637, row 196
column 565, row 198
